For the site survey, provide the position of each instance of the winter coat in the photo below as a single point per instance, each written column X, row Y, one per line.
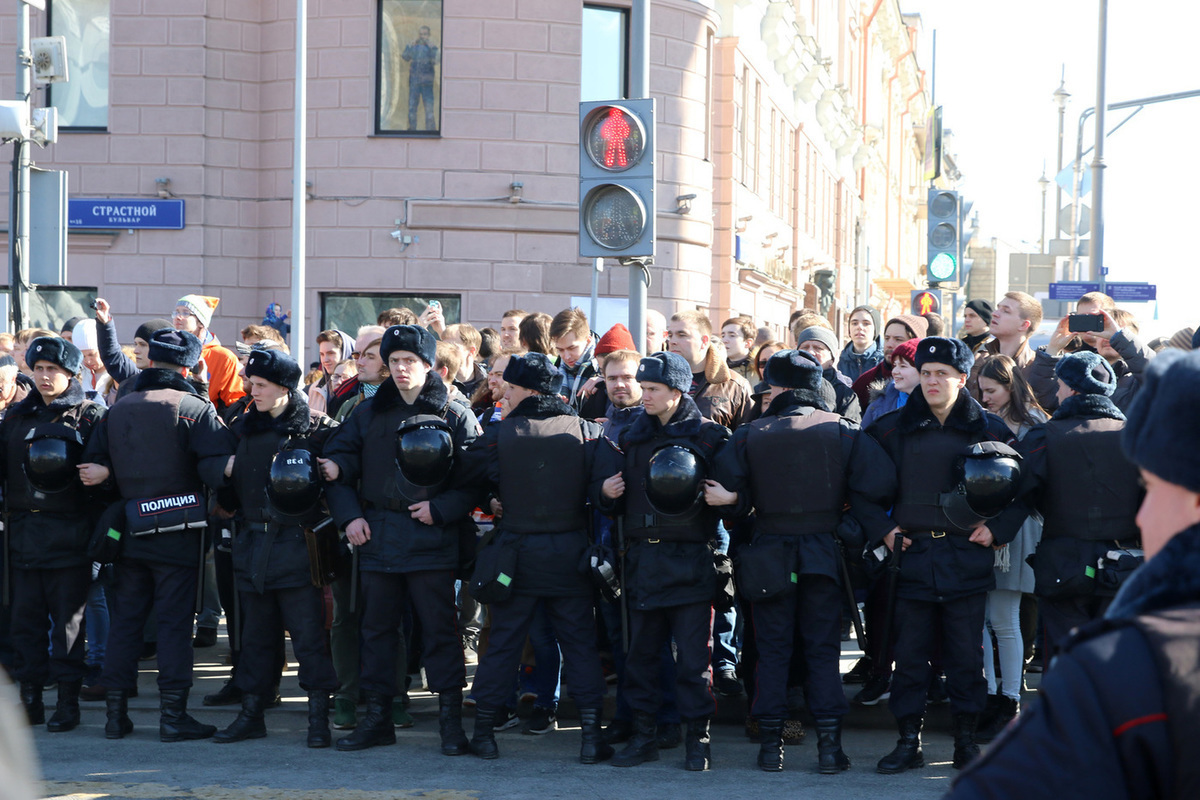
column 845, row 400
column 886, row 400
column 722, row 395
column 1115, row 717
column 862, row 384
column 364, row 448
column 852, row 364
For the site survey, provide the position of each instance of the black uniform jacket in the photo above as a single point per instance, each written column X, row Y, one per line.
column 267, row 554
column 865, row 483
column 949, row 566
column 1115, row 716
column 364, row 448
column 197, row 446
column 46, row 531
column 660, row 573
column 549, row 561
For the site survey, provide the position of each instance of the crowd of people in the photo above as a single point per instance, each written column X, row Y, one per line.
column 557, row 505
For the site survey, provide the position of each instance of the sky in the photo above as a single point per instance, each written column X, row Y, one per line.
column 997, row 68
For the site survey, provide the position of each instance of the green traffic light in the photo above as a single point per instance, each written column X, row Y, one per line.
column 942, row 267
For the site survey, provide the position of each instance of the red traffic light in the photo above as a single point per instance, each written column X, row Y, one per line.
column 613, row 138
column 926, row 302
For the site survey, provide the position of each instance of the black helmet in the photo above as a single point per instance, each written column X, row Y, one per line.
column 52, row 453
column 294, row 485
column 989, row 475
column 424, row 455
column 675, row 479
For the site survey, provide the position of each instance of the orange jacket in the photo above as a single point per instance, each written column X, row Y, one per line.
column 224, row 383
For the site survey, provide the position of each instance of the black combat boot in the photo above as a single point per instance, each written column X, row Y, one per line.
column 454, row 740
column 318, row 719
column 227, row 695
column 483, row 742
column 248, row 724
column 618, row 731
column 697, row 755
column 1005, row 711
column 31, row 698
column 593, row 749
column 643, row 745
column 770, row 750
column 965, row 749
column 174, row 723
column 116, row 705
column 907, row 754
column 66, row 713
column 375, row 728
column 830, row 758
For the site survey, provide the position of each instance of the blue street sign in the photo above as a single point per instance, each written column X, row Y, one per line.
column 1104, row 270
column 125, row 212
column 1072, row 290
column 1132, row 292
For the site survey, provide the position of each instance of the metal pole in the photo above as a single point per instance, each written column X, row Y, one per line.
column 19, row 229
column 1045, row 184
column 639, row 87
column 1098, row 158
column 1060, row 97
column 299, row 184
column 597, row 267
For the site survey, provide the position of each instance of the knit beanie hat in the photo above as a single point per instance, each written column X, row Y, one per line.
column 147, row 328
column 616, row 338
column 200, row 305
column 907, row 351
column 983, row 308
column 917, row 326
column 819, row 334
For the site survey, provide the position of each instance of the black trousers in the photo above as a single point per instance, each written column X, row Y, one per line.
column 384, row 596
column 1061, row 616
column 813, row 611
column 169, row 590
column 574, row 624
column 916, row 631
column 49, row 603
column 691, row 627
column 301, row 610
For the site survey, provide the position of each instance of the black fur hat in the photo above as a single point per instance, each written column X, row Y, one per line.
column 274, row 366
column 169, row 346
column 793, row 369
column 940, row 350
column 412, row 338
column 56, row 351
column 666, row 368
column 1086, row 373
column 1160, row 434
column 533, row 371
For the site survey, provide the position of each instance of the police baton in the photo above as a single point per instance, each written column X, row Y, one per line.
column 859, row 631
column 353, row 579
column 200, row 578
column 624, row 594
column 892, row 587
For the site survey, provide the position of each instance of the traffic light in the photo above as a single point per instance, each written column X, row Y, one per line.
column 945, row 227
column 616, row 179
column 926, row 301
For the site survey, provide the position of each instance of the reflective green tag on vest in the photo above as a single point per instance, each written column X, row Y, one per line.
column 1089, row 571
column 114, row 534
column 794, row 578
column 504, row 579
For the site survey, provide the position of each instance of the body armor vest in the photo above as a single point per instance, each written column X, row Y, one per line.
column 641, row 519
column 543, row 475
column 148, row 466
column 810, row 500
column 1092, row 490
column 925, row 470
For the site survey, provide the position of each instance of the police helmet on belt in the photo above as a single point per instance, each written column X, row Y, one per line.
column 424, row 451
column 988, row 477
column 675, row 479
column 294, row 483
column 51, row 458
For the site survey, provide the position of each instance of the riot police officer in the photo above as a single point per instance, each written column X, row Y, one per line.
column 161, row 444
column 47, row 527
column 277, row 492
column 539, row 461
column 656, row 486
column 946, row 566
column 1088, row 493
column 404, row 522
column 797, row 466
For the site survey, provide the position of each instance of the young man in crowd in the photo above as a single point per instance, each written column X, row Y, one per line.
column 471, row 374
column 977, row 321
column 510, row 328
column 821, row 344
column 737, row 334
column 863, row 351
column 1015, row 318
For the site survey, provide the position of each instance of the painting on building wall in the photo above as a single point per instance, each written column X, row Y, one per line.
column 82, row 101
column 410, row 67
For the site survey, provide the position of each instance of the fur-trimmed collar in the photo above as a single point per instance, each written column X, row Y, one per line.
column 966, row 415
column 685, row 422
column 542, row 406
column 1171, row 578
column 433, row 398
column 878, row 388
column 791, row 401
column 295, row 420
column 716, row 366
column 34, row 404
column 1088, row 406
column 159, row 378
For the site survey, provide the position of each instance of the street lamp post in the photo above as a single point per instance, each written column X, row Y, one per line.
column 1044, row 182
column 1061, row 96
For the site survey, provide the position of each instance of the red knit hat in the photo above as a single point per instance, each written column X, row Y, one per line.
column 617, row 338
column 906, row 350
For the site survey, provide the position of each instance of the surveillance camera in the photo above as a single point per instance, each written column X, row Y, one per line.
column 397, row 234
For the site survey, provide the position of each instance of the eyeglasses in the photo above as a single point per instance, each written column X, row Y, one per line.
column 183, row 315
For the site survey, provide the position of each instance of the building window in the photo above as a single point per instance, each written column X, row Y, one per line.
column 604, row 62
column 349, row 311
column 410, row 67
column 82, row 101
column 739, row 126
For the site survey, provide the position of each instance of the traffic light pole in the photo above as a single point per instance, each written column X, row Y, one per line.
column 1098, row 159
column 639, row 87
column 18, row 223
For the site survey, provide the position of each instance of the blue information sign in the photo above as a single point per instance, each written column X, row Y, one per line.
column 1072, row 290
column 1132, row 292
column 125, row 212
